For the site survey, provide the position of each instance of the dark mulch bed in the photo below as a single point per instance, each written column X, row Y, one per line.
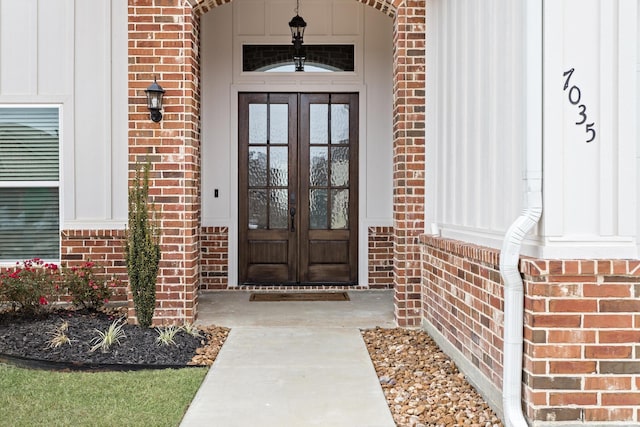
column 22, row 338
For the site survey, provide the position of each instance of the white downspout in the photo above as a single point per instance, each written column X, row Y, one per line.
column 510, row 253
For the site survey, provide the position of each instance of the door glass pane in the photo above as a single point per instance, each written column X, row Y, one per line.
column 257, row 209
column 257, row 166
column 257, row 123
column 318, row 209
column 319, row 166
column 339, row 209
column 279, row 124
column 279, row 166
column 339, row 166
column 319, row 124
column 340, row 123
column 278, row 212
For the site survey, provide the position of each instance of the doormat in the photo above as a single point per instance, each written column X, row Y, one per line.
column 299, row 296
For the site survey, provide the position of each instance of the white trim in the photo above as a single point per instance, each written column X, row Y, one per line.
column 29, row 184
column 589, row 249
column 85, row 225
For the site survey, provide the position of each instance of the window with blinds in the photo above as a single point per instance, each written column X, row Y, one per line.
column 29, row 184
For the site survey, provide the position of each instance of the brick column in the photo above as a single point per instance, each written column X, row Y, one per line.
column 163, row 43
column 408, row 157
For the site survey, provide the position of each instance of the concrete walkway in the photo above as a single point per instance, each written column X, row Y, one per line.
column 292, row 364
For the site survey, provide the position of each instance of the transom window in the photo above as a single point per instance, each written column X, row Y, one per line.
column 279, row 58
column 29, row 183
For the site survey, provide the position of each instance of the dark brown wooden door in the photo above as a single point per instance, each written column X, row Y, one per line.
column 298, row 200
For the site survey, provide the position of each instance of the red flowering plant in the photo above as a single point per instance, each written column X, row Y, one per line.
column 30, row 285
column 87, row 285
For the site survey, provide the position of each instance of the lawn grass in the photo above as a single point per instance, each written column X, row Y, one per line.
column 141, row 398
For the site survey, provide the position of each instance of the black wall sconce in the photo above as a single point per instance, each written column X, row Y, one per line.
column 297, row 26
column 154, row 100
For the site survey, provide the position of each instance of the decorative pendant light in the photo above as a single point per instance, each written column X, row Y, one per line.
column 297, row 26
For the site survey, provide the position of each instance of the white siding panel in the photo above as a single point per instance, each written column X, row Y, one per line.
column 119, row 112
column 54, row 48
column 475, row 54
column 92, row 110
column 217, row 171
column 590, row 188
column 18, row 47
column 250, row 18
column 378, row 145
column 346, row 19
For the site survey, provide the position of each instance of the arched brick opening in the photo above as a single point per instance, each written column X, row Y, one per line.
column 164, row 42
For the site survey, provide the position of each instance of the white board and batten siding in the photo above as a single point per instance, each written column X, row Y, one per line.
column 72, row 54
column 475, row 118
column 475, row 124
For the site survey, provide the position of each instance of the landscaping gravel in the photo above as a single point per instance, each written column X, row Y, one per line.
column 422, row 385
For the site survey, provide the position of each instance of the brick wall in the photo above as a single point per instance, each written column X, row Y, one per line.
column 381, row 257
column 463, row 298
column 581, row 332
column 582, row 340
column 214, row 259
column 104, row 247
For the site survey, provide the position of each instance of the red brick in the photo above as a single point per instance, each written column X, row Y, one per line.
column 608, row 383
column 608, row 414
column 573, row 305
column 606, row 290
column 608, row 321
column 573, row 398
column 619, row 306
column 619, row 336
column 571, row 336
column 608, row 352
column 557, row 351
column 555, row 320
column 620, row 399
column 564, row 367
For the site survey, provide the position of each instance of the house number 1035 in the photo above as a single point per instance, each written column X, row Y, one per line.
column 575, row 95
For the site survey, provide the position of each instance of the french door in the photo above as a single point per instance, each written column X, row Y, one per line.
column 298, row 200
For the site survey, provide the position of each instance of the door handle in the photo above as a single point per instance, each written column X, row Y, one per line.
column 292, row 212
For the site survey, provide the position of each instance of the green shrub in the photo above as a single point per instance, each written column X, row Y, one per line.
column 142, row 249
column 30, row 285
column 86, row 287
